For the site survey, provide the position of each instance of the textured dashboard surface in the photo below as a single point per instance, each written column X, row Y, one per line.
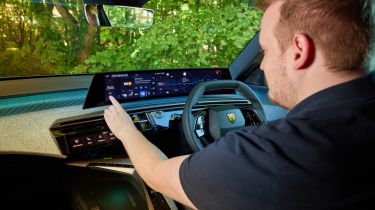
column 29, row 132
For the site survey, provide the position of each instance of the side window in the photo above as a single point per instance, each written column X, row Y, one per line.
column 246, row 66
column 254, row 75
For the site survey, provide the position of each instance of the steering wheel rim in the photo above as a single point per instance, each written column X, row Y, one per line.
column 188, row 119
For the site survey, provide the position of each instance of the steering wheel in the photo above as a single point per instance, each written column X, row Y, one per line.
column 222, row 119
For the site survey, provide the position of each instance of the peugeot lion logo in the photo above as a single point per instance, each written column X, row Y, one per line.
column 231, row 117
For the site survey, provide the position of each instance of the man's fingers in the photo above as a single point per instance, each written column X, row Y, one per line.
column 115, row 102
column 112, row 108
column 106, row 114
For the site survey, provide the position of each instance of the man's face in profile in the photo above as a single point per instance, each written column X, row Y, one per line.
column 274, row 64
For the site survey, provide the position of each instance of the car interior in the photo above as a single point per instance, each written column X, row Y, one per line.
column 56, row 151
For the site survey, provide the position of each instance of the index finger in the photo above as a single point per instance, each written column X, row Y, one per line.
column 115, row 102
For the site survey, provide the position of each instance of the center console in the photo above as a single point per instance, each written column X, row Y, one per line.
column 112, row 184
column 101, row 175
column 30, row 181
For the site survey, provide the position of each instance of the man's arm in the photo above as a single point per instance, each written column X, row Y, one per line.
column 159, row 172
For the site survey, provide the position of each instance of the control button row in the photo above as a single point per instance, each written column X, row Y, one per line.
column 91, row 140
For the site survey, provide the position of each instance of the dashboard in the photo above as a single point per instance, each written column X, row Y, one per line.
column 85, row 137
column 37, row 114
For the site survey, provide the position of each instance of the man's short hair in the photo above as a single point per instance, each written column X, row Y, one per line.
column 339, row 28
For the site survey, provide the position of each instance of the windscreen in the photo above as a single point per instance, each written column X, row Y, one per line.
column 44, row 37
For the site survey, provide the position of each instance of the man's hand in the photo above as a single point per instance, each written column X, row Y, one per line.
column 117, row 119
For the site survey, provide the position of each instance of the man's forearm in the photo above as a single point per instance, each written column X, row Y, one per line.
column 159, row 172
column 144, row 155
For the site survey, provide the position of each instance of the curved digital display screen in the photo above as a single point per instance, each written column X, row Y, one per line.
column 155, row 84
column 135, row 85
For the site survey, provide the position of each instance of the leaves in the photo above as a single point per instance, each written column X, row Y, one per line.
column 190, row 39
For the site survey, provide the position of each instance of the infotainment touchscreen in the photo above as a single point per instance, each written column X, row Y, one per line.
column 156, row 84
column 136, row 85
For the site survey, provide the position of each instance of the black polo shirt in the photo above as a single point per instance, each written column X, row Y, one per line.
column 320, row 156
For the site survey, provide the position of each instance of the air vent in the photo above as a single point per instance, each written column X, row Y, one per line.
column 81, row 121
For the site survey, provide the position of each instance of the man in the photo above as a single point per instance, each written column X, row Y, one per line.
column 320, row 156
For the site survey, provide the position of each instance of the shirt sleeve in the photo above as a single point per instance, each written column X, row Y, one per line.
column 235, row 171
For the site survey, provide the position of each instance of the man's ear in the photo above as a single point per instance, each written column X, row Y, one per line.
column 303, row 50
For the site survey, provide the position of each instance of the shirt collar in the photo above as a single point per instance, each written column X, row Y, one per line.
column 355, row 90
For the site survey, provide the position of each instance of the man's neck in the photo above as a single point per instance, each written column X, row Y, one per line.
column 323, row 79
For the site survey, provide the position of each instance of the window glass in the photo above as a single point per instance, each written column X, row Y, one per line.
column 39, row 37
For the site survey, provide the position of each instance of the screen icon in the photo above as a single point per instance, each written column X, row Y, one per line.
column 142, row 94
column 128, row 83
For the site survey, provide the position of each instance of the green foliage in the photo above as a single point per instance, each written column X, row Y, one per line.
column 19, row 62
column 190, row 39
column 36, row 40
column 52, row 37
